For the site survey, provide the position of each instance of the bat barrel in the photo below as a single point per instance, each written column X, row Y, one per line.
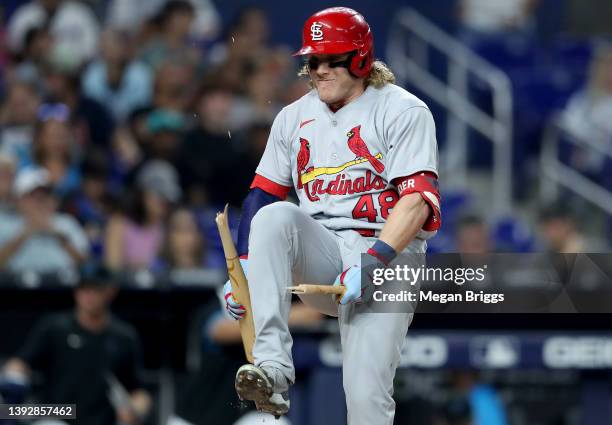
column 316, row 289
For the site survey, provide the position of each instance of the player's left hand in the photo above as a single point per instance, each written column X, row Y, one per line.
column 358, row 290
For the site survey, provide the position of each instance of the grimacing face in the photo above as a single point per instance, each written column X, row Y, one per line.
column 335, row 86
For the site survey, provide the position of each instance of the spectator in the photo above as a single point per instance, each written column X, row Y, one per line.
column 92, row 120
column 74, row 28
column 38, row 46
column 256, row 140
column 173, row 87
column 184, row 245
column 7, row 179
column 134, row 238
column 561, row 233
column 244, row 45
column 172, row 43
column 38, row 238
column 208, row 156
column 126, row 155
column 284, row 68
column 587, row 114
column 260, row 102
column 497, row 16
column 18, row 117
column 128, row 15
column 165, row 131
column 246, row 39
column 86, row 357
column 252, row 27
column 474, row 402
column 473, row 236
column 156, row 134
column 54, row 150
column 93, row 203
column 133, row 143
column 116, row 80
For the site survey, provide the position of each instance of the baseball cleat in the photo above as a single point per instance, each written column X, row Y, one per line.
column 253, row 384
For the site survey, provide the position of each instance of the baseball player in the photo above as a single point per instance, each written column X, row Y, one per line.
column 361, row 154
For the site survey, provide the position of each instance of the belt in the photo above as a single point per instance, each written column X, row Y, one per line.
column 371, row 233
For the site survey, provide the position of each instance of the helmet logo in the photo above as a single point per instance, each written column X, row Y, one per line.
column 316, row 33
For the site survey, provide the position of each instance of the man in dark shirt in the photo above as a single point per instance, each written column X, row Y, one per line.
column 86, row 357
column 211, row 166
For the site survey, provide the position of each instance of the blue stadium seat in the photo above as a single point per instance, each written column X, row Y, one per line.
column 506, row 50
column 574, row 54
column 511, row 234
column 443, row 242
column 455, row 202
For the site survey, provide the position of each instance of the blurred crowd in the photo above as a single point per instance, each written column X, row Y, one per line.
column 124, row 126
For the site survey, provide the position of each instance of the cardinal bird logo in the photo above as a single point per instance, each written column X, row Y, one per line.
column 358, row 146
column 303, row 158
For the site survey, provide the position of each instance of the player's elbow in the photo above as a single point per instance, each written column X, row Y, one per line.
column 414, row 207
column 415, row 203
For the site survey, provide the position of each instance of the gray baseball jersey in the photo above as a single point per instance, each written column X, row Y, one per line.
column 342, row 164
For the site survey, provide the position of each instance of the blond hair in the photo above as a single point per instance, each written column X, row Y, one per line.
column 379, row 75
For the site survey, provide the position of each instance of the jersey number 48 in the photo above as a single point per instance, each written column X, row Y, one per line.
column 365, row 208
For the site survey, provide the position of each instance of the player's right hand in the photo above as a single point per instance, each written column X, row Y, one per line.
column 235, row 309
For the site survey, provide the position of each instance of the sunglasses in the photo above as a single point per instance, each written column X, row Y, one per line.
column 53, row 111
column 314, row 62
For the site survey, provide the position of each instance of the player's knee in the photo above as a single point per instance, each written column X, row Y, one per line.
column 275, row 219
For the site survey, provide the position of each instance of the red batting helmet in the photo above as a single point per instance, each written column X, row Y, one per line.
column 340, row 30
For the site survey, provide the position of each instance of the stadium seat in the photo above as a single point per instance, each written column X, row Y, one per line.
column 511, row 234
